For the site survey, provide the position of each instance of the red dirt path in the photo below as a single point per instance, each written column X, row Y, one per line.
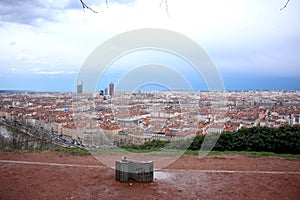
column 180, row 180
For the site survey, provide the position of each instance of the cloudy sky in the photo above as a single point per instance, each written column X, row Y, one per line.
column 253, row 43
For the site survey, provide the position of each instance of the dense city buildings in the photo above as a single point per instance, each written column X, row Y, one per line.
column 95, row 119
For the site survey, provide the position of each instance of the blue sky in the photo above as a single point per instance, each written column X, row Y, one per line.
column 253, row 44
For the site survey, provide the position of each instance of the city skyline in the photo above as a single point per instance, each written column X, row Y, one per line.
column 253, row 44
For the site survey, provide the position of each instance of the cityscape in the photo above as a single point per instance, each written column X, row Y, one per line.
column 109, row 118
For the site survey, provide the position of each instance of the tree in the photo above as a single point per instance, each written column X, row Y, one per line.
column 85, row 6
column 165, row 2
column 287, row 2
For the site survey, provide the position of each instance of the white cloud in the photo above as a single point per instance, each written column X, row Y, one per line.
column 50, row 72
column 72, row 72
column 35, row 69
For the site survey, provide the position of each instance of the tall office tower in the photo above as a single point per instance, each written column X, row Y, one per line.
column 79, row 87
column 105, row 91
column 111, row 89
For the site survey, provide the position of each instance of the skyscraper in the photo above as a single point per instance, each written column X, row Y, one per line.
column 111, row 89
column 79, row 87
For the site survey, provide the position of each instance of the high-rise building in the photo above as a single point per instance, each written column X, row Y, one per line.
column 111, row 89
column 79, row 87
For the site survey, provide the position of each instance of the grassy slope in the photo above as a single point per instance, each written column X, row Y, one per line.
column 84, row 152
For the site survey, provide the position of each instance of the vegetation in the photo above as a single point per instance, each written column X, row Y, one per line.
column 149, row 146
column 78, row 151
column 248, row 153
column 283, row 140
column 256, row 141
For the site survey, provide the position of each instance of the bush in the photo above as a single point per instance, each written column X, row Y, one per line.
column 285, row 140
column 282, row 140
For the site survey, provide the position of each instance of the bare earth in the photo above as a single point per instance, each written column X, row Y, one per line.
column 48, row 175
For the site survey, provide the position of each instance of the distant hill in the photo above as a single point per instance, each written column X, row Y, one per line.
column 16, row 91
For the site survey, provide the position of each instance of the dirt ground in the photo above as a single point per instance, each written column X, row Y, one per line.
column 49, row 175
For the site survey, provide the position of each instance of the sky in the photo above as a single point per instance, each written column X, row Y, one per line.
column 252, row 43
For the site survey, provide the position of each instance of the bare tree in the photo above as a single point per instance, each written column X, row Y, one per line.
column 85, row 6
column 165, row 2
column 285, row 5
column 166, row 6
